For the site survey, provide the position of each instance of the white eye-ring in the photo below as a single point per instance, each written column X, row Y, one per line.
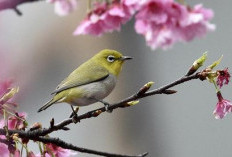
column 110, row 58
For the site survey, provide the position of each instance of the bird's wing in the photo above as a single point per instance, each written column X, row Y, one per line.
column 81, row 76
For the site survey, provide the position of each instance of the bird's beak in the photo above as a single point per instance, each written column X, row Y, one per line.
column 123, row 58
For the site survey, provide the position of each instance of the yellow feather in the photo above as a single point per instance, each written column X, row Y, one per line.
column 99, row 71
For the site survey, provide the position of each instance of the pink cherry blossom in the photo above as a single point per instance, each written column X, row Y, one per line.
column 16, row 123
column 165, row 22
column 3, row 147
column 196, row 23
column 104, row 18
column 155, row 21
column 17, row 153
column 4, row 150
column 223, row 77
column 222, row 108
column 7, row 149
column 64, row 7
column 58, row 151
column 133, row 5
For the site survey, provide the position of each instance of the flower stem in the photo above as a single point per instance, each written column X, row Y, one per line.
column 215, row 85
column 24, row 146
column 6, row 124
column 21, row 153
column 4, row 116
column 40, row 148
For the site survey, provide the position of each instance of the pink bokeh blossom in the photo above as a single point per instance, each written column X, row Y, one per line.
column 133, row 5
column 4, row 150
column 104, row 18
column 222, row 108
column 163, row 23
column 223, row 77
column 3, row 147
column 16, row 123
column 58, row 151
column 17, row 153
column 64, row 7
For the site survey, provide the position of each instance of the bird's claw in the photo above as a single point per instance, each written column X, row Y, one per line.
column 74, row 115
column 75, row 118
column 107, row 105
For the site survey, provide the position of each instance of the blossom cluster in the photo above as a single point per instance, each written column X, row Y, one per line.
column 64, row 7
column 218, row 78
column 12, row 120
column 161, row 22
column 165, row 22
column 223, row 106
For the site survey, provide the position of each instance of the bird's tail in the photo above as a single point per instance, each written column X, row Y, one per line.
column 48, row 104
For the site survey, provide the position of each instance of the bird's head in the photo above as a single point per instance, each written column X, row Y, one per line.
column 112, row 60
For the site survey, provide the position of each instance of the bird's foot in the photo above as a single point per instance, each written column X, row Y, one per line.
column 74, row 115
column 75, row 119
column 107, row 105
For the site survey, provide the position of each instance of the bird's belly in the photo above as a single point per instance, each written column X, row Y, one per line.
column 94, row 91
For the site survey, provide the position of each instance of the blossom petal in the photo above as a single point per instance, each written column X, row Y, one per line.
column 222, row 108
column 165, row 22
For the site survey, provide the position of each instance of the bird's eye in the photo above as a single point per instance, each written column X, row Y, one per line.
column 110, row 58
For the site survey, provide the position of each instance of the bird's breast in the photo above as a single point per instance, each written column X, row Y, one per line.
column 97, row 90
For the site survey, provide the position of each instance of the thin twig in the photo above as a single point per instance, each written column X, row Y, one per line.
column 59, row 126
column 18, row 12
column 65, row 145
column 39, row 133
column 13, row 4
column 90, row 114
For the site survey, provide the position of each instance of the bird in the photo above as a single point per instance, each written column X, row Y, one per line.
column 91, row 82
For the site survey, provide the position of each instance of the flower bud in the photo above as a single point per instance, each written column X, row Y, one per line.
column 214, row 64
column 15, row 137
column 131, row 103
column 36, row 126
column 210, row 76
column 9, row 95
column 197, row 64
column 97, row 113
column 145, row 88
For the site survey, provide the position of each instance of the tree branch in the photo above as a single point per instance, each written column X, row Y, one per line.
column 65, row 145
column 142, row 93
column 12, row 4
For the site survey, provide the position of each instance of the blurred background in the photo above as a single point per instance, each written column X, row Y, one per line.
column 38, row 51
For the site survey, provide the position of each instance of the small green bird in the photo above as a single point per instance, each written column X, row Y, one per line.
column 91, row 82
